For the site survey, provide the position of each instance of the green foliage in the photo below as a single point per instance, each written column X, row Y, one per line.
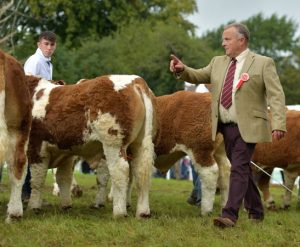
column 72, row 20
column 290, row 77
column 137, row 37
column 273, row 36
column 141, row 48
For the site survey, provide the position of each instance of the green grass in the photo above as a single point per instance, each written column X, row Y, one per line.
column 173, row 222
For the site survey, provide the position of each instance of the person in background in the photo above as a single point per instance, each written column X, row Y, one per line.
column 244, row 85
column 39, row 64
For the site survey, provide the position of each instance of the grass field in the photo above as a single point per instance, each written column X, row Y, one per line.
column 173, row 222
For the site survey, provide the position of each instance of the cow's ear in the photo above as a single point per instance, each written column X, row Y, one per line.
column 59, row 82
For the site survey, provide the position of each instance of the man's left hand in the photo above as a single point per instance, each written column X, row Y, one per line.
column 278, row 134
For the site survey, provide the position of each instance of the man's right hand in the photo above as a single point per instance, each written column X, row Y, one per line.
column 176, row 66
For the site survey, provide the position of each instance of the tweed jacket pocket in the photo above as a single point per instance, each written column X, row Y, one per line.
column 260, row 114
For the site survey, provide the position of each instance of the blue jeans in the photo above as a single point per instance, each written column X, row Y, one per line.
column 26, row 189
column 196, row 192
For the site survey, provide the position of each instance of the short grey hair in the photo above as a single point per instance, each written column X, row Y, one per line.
column 241, row 28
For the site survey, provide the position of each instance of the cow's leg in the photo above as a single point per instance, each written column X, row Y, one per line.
column 17, row 167
column 209, row 177
column 224, row 172
column 76, row 190
column 64, row 177
column 289, row 177
column 1, row 171
column 129, row 188
column 119, row 172
column 110, row 193
column 55, row 190
column 142, row 167
column 38, row 177
column 263, row 183
column 102, row 180
column 298, row 202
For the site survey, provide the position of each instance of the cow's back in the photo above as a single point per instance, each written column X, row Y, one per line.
column 72, row 111
column 285, row 151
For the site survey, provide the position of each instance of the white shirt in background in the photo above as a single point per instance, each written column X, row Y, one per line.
column 39, row 65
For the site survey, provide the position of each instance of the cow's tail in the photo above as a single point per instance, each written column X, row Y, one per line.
column 3, row 126
column 149, row 115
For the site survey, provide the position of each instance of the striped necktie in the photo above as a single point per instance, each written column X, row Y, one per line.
column 226, row 98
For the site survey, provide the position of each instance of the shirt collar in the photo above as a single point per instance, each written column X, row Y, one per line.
column 243, row 55
column 40, row 53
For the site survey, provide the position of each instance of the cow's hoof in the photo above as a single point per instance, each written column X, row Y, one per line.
column 206, row 213
column 66, row 208
column 120, row 216
column 272, row 206
column 77, row 191
column 13, row 218
column 96, row 206
column 37, row 210
column 285, row 207
column 144, row 216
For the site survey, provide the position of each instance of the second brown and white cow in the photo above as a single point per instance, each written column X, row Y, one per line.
column 185, row 129
column 284, row 154
column 15, row 121
column 111, row 115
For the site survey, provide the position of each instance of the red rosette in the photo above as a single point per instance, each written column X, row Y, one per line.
column 244, row 77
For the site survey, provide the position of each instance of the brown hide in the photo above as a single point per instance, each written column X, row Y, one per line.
column 66, row 119
column 285, row 151
column 184, row 118
column 17, row 108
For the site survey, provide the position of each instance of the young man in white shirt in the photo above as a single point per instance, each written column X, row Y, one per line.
column 39, row 64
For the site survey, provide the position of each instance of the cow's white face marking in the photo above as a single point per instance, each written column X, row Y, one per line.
column 121, row 81
column 39, row 105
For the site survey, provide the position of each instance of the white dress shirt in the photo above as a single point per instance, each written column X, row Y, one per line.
column 39, row 65
column 229, row 115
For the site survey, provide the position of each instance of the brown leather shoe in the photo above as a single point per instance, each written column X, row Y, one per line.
column 223, row 222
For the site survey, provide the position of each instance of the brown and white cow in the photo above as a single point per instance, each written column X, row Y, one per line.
column 185, row 129
column 284, row 154
column 15, row 121
column 111, row 115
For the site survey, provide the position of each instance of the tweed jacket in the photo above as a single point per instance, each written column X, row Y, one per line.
column 260, row 91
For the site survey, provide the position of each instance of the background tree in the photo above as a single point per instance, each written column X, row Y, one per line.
column 71, row 19
column 117, row 36
column 9, row 21
column 140, row 48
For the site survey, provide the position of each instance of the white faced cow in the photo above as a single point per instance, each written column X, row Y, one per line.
column 111, row 115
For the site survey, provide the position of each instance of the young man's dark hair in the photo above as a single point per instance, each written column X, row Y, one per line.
column 48, row 35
